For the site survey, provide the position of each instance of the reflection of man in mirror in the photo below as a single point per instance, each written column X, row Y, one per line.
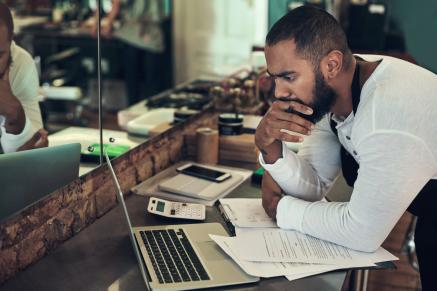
column 20, row 116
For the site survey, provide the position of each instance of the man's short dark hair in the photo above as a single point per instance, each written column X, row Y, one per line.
column 6, row 19
column 314, row 31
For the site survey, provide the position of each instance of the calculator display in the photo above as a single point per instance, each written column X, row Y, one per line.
column 160, row 206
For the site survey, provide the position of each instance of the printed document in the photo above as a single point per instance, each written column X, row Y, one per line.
column 266, row 269
column 293, row 271
column 277, row 245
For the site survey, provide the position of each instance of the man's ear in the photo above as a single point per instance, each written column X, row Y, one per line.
column 332, row 64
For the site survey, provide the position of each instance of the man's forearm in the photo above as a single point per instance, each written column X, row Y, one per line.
column 272, row 153
column 115, row 11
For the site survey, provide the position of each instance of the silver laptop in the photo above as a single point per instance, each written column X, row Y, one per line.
column 28, row 176
column 181, row 257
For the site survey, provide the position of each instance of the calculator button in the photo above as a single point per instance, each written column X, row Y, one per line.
column 172, row 212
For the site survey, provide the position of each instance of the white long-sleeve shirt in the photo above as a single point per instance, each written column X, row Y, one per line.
column 24, row 82
column 393, row 137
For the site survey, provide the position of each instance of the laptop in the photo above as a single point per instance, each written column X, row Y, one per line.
column 181, row 257
column 28, row 176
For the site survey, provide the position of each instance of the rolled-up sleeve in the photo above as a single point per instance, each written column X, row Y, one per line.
column 310, row 173
column 384, row 188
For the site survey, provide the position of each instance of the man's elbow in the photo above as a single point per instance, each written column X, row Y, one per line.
column 367, row 242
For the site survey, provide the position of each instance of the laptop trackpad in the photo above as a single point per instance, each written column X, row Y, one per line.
column 211, row 251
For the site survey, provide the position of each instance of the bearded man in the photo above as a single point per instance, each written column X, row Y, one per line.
column 371, row 116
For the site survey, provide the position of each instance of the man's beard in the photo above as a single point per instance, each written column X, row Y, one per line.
column 324, row 98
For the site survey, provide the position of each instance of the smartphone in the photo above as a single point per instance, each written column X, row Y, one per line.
column 203, row 172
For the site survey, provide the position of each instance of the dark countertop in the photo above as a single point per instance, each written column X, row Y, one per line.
column 101, row 257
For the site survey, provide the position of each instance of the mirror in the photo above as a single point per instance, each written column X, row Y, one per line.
column 52, row 72
column 59, row 39
column 156, row 65
column 59, row 35
column 135, row 65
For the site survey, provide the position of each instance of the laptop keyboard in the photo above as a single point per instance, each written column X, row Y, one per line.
column 172, row 256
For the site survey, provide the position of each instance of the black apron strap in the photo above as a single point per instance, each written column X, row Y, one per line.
column 425, row 239
column 356, row 94
column 348, row 163
column 356, row 89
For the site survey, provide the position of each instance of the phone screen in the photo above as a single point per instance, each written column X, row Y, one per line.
column 203, row 172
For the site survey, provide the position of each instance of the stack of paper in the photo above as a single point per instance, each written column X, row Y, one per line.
column 276, row 252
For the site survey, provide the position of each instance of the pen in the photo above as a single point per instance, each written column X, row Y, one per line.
column 228, row 222
column 230, row 213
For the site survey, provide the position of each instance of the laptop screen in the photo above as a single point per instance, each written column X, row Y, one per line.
column 28, row 176
column 120, row 198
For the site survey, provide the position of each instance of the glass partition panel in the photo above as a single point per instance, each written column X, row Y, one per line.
column 60, row 36
column 52, row 73
column 136, row 65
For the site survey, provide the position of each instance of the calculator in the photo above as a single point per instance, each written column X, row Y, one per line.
column 176, row 209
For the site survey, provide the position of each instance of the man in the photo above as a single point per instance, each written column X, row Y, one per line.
column 372, row 116
column 20, row 116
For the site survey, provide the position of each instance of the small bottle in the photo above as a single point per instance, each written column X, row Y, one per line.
column 217, row 94
column 249, row 87
column 236, row 94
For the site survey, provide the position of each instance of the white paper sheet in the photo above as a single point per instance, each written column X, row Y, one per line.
column 276, row 245
column 247, row 212
column 266, row 269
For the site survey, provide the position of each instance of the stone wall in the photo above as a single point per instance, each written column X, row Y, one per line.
column 28, row 236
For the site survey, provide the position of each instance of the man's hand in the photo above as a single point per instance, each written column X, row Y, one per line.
column 38, row 140
column 106, row 29
column 271, row 194
column 10, row 107
column 108, row 21
column 270, row 132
